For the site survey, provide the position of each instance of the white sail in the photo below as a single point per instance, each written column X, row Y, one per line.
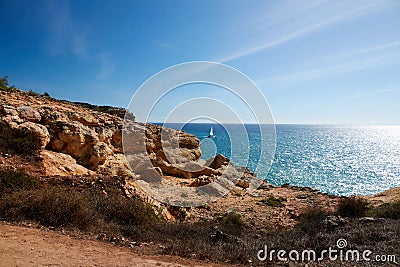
column 211, row 131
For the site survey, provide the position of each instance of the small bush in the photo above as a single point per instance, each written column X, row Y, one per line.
column 232, row 223
column 61, row 207
column 4, row 86
column 274, row 201
column 12, row 180
column 387, row 210
column 116, row 216
column 46, row 94
column 49, row 207
column 32, row 93
column 312, row 220
column 124, row 211
column 352, row 207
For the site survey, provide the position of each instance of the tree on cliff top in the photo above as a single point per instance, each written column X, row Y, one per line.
column 4, row 85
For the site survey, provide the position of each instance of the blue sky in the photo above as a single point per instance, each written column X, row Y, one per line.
column 315, row 61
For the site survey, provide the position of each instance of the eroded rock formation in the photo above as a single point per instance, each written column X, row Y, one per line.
column 83, row 139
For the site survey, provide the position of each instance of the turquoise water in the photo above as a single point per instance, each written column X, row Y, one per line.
column 341, row 160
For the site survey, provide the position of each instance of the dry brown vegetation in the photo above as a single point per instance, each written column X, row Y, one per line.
column 228, row 239
column 352, row 206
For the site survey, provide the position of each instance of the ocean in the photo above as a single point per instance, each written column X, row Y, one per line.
column 340, row 160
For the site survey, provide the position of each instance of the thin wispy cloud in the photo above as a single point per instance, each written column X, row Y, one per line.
column 166, row 46
column 329, row 20
column 373, row 93
column 106, row 67
column 64, row 35
column 67, row 36
column 378, row 47
column 280, row 15
column 329, row 70
column 357, row 52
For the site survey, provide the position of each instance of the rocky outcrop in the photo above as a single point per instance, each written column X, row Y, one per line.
column 29, row 114
column 61, row 164
column 333, row 221
column 83, row 139
column 92, row 147
column 152, row 175
column 93, row 135
column 217, row 162
column 37, row 130
column 24, row 137
column 120, row 112
column 176, row 153
column 80, row 142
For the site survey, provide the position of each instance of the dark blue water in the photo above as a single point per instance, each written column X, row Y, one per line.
column 341, row 160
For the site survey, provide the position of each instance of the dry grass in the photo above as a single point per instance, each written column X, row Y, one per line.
column 353, row 206
column 14, row 180
column 228, row 239
column 68, row 207
column 386, row 210
column 49, row 207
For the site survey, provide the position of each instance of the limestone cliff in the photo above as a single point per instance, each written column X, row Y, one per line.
column 85, row 135
column 88, row 146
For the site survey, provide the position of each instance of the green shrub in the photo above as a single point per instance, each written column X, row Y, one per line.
column 124, row 211
column 4, row 86
column 387, row 210
column 273, row 201
column 232, row 223
column 352, row 207
column 32, row 93
column 234, row 219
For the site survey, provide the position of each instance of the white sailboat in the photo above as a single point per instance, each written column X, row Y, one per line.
column 211, row 133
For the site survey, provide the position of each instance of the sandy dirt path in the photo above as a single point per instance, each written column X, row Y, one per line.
column 21, row 246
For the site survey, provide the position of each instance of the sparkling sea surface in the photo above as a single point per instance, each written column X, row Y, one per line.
column 341, row 160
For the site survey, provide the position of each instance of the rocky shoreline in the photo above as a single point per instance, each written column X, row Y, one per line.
column 62, row 166
column 72, row 140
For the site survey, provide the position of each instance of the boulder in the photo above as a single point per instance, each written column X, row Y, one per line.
column 79, row 141
column 243, row 183
column 36, row 129
column 61, row 164
column 151, row 175
column 85, row 119
column 50, row 115
column 188, row 141
column 334, row 221
column 115, row 165
column 25, row 138
column 8, row 110
column 189, row 169
column 29, row 114
column 217, row 162
column 171, row 145
column 174, row 152
column 200, row 181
